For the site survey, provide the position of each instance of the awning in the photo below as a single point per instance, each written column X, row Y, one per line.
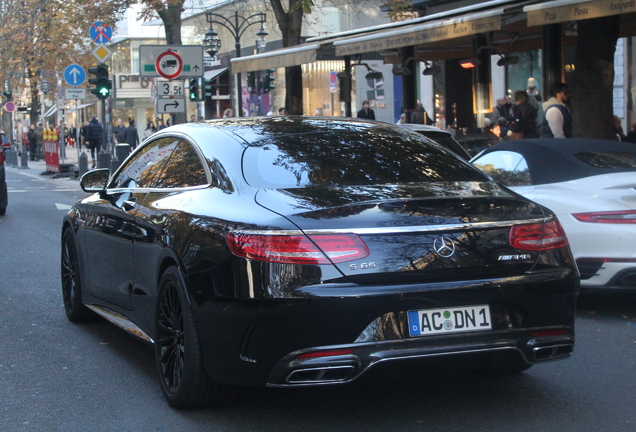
column 50, row 111
column 293, row 56
column 435, row 31
column 559, row 11
column 73, row 109
column 211, row 74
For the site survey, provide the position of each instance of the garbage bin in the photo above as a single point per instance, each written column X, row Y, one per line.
column 122, row 151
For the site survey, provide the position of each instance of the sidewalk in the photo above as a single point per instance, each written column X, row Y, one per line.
column 71, row 158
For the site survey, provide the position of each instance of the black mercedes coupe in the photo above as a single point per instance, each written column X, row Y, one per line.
column 301, row 251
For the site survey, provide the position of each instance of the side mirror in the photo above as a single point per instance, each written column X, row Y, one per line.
column 95, row 180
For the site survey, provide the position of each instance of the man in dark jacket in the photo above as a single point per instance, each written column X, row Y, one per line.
column 119, row 132
column 95, row 131
column 366, row 112
column 132, row 137
column 33, row 145
column 557, row 120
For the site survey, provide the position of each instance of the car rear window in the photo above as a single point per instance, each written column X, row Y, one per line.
column 348, row 159
column 611, row 160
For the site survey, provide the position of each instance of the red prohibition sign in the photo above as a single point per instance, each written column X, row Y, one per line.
column 175, row 64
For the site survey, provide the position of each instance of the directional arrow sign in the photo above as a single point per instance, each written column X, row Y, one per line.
column 74, row 75
column 171, row 105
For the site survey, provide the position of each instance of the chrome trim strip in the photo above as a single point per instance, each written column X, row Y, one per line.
column 399, row 230
column 120, row 321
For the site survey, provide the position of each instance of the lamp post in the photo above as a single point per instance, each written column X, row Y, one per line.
column 236, row 26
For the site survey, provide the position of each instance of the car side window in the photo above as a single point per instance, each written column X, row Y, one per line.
column 142, row 171
column 507, row 167
column 184, row 169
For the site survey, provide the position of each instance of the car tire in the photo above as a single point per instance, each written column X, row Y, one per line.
column 178, row 354
column 71, row 281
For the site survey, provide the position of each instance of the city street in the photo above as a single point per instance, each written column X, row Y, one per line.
column 59, row 376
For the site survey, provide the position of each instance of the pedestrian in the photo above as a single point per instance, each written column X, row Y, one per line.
column 84, row 135
column 534, row 97
column 95, row 130
column 39, row 140
column 366, row 112
column 523, row 122
column 228, row 113
column 557, row 120
column 119, row 132
column 617, row 129
column 150, row 129
column 282, row 111
column 33, row 146
column 193, row 118
column 132, row 137
column 631, row 135
column 160, row 125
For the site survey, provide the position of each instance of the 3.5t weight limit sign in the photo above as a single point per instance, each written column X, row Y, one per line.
column 170, row 88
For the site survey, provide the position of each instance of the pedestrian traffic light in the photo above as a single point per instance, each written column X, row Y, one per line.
column 207, row 88
column 194, row 89
column 251, row 82
column 102, row 84
column 8, row 94
column 268, row 81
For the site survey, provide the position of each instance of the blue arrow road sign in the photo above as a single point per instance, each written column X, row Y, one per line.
column 74, row 75
column 100, row 32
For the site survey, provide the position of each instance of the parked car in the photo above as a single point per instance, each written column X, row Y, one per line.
column 440, row 136
column 4, row 196
column 591, row 186
column 301, row 251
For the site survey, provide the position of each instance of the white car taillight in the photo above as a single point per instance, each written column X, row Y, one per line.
column 613, row 217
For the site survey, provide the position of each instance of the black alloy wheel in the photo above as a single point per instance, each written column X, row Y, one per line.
column 178, row 355
column 71, row 284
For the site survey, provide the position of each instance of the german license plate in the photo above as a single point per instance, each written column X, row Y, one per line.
column 449, row 320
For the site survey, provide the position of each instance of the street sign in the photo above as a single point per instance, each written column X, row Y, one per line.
column 9, row 107
column 169, row 64
column 100, row 32
column 74, row 93
column 191, row 59
column 101, row 53
column 74, row 75
column 170, row 88
column 333, row 82
column 171, row 105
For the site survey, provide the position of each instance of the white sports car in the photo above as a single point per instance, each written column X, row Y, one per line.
column 591, row 186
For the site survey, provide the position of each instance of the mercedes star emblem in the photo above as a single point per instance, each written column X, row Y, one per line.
column 444, row 246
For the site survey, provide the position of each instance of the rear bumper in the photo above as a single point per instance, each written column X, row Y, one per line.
column 610, row 273
column 293, row 371
column 259, row 342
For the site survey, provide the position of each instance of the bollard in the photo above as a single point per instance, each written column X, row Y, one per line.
column 24, row 158
column 103, row 160
column 14, row 157
column 83, row 164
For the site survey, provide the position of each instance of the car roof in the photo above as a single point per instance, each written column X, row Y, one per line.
column 552, row 160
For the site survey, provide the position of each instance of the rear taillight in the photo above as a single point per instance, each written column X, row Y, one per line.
column 330, row 353
column 538, row 237
column 613, row 217
column 298, row 249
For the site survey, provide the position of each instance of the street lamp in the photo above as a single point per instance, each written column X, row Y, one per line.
column 236, row 27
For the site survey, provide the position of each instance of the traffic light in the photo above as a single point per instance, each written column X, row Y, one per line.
column 207, row 88
column 8, row 94
column 101, row 81
column 251, row 82
column 268, row 81
column 194, row 89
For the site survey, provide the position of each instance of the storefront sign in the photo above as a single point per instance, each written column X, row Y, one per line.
column 548, row 13
column 426, row 33
column 132, row 87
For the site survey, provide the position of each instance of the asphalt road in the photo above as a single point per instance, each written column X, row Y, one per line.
column 59, row 376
